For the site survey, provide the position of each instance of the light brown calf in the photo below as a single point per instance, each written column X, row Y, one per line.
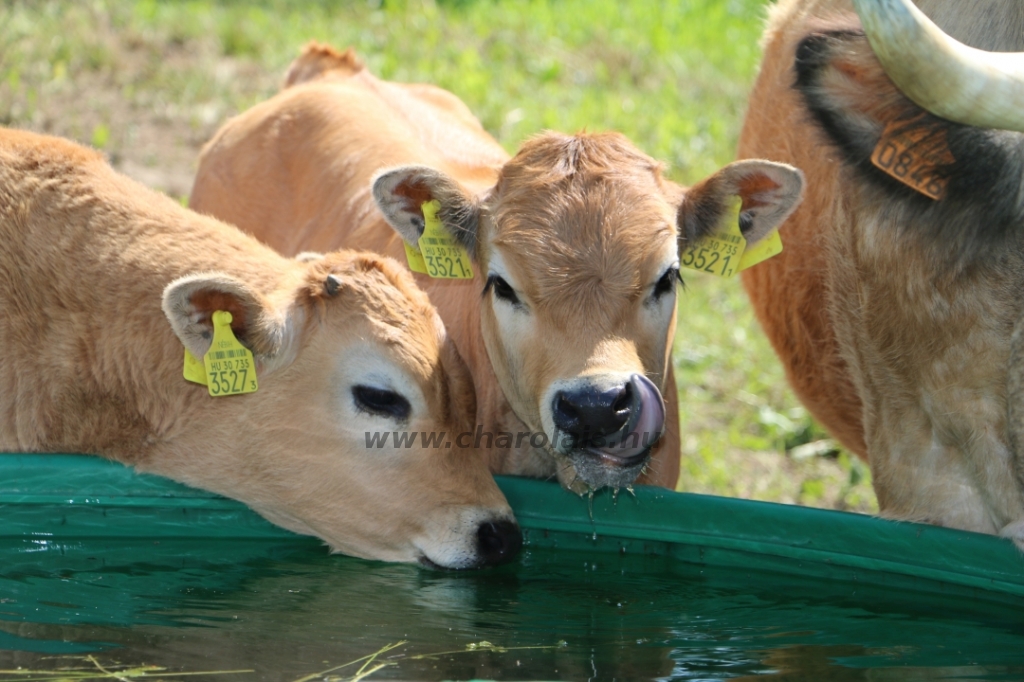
column 893, row 310
column 568, row 322
column 103, row 284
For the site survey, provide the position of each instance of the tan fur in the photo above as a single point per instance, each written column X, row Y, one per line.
column 903, row 362
column 583, row 225
column 91, row 364
column 318, row 60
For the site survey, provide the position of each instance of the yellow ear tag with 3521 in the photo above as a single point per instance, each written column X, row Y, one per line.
column 443, row 257
column 770, row 245
column 415, row 258
column 229, row 366
column 720, row 252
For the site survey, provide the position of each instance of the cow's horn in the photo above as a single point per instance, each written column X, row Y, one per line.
column 943, row 76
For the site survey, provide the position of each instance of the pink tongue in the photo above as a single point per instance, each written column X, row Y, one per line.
column 649, row 424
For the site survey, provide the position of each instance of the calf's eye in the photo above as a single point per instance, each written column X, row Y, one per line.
column 381, row 402
column 666, row 284
column 501, row 289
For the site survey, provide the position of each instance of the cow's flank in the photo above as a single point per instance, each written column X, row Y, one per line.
column 568, row 321
column 104, row 284
column 894, row 304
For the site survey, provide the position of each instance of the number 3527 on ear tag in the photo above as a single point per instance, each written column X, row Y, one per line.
column 229, row 366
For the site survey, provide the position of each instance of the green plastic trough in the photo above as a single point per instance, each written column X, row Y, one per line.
column 67, row 498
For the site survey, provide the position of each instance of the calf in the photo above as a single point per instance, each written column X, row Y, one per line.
column 894, row 305
column 568, row 320
column 104, row 285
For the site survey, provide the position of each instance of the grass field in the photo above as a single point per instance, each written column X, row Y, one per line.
column 149, row 82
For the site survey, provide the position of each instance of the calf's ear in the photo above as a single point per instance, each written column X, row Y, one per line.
column 400, row 194
column 190, row 302
column 768, row 192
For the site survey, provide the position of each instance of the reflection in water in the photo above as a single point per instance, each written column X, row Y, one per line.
column 288, row 610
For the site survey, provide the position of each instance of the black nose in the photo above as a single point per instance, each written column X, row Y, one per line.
column 589, row 413
column 498, row 542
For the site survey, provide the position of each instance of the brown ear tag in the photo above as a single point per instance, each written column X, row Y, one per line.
column 913, row 154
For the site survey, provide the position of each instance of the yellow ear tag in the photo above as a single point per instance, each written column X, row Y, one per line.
column 415, row 258
column 443, row 257
column 720, row 252
column 770, row 246
column 230, row 368
column 194, row 370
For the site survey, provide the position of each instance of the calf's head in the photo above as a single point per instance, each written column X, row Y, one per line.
column 355, row 376
column 579, row 242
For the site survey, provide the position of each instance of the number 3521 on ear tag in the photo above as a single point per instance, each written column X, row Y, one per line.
column 437, row 254
column 229, row 366
column 725, row 252
column 720, row 252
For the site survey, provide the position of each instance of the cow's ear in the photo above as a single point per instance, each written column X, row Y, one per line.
column 190, row 302
column 769, row 192
column 401, row 192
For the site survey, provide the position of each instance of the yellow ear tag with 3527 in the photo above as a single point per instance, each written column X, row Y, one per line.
column 229, row 366
column 194, row 370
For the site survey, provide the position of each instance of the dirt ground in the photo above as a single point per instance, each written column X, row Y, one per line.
column 148, row 101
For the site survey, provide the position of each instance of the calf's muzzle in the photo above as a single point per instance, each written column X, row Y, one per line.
column 498, row 542
column 616, row 425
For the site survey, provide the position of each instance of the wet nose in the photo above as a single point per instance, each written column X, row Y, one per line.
column 498, row 542
column 590, row 413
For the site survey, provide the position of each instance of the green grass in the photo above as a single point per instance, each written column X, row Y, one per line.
column 148, row 82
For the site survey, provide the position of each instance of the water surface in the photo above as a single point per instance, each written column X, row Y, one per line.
column 286, row 610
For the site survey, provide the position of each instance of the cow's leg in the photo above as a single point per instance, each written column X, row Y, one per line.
column 1015, row 400
column 919, row 474
column 1015, row 423
column 1014, row 531
column 942, row 457
column 663, row 469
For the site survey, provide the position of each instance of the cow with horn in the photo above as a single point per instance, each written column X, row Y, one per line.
column 896, row 306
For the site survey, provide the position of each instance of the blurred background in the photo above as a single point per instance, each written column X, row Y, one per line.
column 149, row 82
